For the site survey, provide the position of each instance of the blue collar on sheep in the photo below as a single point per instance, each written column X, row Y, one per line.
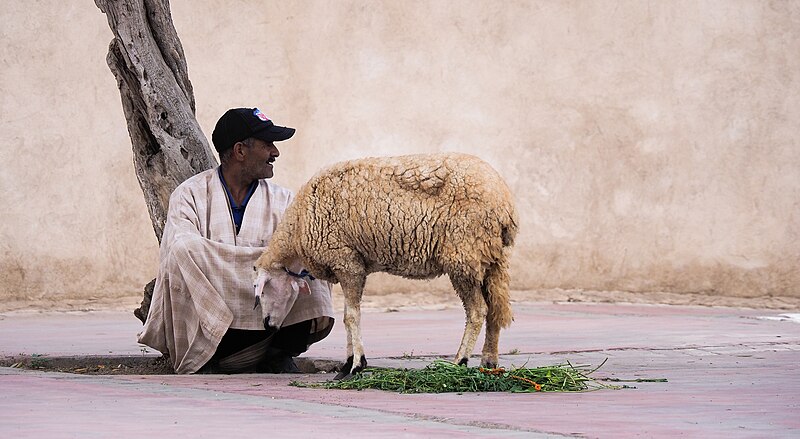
column 301, row 275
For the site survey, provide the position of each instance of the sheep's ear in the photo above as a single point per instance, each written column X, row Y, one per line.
column 304, row 287
column 301, row 286
column 258, row 284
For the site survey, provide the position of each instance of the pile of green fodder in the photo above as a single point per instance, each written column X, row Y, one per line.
column 443, row 376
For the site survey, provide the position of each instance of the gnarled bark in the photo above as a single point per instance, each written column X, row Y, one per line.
column 146, row 57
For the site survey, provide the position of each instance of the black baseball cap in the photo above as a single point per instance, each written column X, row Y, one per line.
column 238, row 124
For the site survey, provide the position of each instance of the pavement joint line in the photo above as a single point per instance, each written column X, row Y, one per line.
column 331, row 410
column 750, row 346
column 767, row 344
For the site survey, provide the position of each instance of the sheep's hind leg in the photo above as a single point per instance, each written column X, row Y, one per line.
column 499, row 315
column 490, row 357
column 352, row 322
column 475, row 309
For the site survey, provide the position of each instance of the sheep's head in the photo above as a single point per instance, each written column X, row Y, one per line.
column 276, row 289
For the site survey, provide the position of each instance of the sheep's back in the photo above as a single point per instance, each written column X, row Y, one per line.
column 402, row 213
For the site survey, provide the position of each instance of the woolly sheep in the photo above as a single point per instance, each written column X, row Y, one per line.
column 416, row 216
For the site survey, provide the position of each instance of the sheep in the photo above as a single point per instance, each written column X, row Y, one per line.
column 415, row 216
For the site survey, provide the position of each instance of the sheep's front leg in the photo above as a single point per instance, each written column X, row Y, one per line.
column 475, row 309
column 353, row 290
column 349, row 339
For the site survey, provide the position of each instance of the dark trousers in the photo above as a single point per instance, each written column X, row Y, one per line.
column 290, row 340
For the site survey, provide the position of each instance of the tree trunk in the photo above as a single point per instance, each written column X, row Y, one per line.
column 147, row 60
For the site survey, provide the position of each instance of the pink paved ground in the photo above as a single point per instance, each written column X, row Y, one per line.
column 731, row 374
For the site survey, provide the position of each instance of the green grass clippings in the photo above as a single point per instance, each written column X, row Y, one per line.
column 443, row 376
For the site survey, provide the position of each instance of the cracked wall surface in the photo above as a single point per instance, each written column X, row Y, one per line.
column 650, row 146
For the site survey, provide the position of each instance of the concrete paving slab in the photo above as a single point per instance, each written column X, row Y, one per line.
column 732, row 373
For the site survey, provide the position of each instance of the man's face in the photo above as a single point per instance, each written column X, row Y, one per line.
column 259, row 158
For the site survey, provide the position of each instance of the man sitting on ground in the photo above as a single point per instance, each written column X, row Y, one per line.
column 219, row 222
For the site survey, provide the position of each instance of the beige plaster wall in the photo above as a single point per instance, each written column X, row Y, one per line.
column 652, row 146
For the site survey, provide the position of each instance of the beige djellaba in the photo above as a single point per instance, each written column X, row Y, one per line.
column 205, row 276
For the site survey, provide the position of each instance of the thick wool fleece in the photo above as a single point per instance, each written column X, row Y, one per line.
column 417, row 216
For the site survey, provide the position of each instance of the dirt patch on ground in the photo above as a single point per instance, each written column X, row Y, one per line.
column 91, row 365
column 130, row 365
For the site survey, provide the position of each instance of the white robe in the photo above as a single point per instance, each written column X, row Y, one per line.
column 205, row 278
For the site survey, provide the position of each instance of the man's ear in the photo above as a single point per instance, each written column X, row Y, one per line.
column 238, row 151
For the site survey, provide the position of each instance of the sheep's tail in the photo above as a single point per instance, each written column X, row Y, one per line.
column 510, row 226
column 496, row 279
column 495, row 292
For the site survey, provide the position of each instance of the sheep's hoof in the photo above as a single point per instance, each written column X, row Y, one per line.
column 361, row 366
column 489, row 365
column 345, row 370
column 348, row 370
column 463, row 361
